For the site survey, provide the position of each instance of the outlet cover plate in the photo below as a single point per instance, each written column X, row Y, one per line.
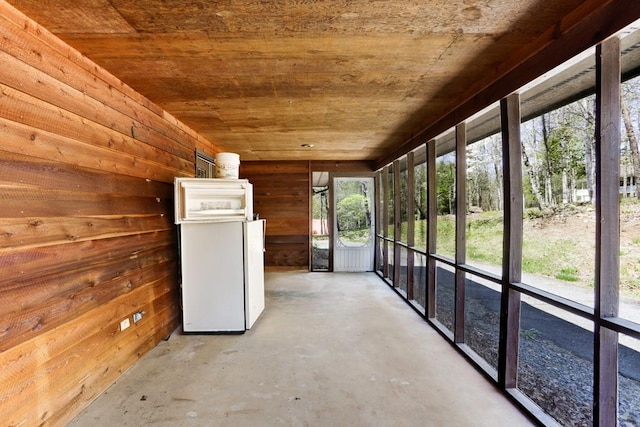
column 125, row 324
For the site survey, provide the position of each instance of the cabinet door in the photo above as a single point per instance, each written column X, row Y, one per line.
column 254, row 270
column 212, row 277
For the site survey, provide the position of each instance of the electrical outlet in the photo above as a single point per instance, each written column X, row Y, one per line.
column 137, row 316
column 125, row 324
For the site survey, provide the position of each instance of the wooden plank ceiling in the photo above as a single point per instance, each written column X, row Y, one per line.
column 355, row 78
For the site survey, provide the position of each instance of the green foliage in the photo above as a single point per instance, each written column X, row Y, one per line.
column 557, row 151
column 446, row 236
column 550, row 257
column 353, row 209
column 420, row 234
column 529, row 197
column 420, row 190
column 533, row 213
column 534, row 265
column 539, row 214
column 484, row 237
column 446, row 174
column 486, row 221
column 352, row 212
column 565, row 150
column 569, row 274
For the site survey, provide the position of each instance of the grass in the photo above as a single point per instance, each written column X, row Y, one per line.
column 483, row 237
column 559, row 254
column 484, row 240
column 446, row 236
column 550, row 257
column 535, row 265
column 568, row 274
column 542, row 254
column 629, row 205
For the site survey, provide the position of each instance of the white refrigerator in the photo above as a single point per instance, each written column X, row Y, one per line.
column 221, row 255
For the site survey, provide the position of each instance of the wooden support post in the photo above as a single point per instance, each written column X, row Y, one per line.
column 397, row 221
column 461, row 225
column 330, row 220
column 378, row 220
column 411, row 207
column 432, row 218
column 607, row 266
column 512, row 243
column 385, row 221
column 309, row 207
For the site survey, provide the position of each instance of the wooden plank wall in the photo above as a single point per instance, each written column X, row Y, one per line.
column 281, row 196
column 86, row 225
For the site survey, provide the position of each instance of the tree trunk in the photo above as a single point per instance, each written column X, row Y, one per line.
column 533, row 179
column 498, row 186
column 422, row 212
column 589, row 166
column 364, row 190
column 587, row 112
column 633, row 143
column 548, row 189
column 497, row 167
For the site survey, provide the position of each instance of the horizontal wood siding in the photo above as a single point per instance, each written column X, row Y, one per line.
column 281, row 196
column 86, row 224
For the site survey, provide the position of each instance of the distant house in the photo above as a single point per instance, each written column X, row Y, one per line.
column 627, row 180
column 627, row 185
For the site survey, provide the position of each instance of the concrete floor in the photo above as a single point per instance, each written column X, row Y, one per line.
column 331, row 349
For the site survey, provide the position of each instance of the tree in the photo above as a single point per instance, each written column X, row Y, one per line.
column 484, row 174
column 352, row 213
column 585, row 129
column 547, row 156
column 633, row 142
column 531, row 167
column 557, row 151
column 420, row 191
column 320, row 207
column 420, row 202
column 446, row 176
